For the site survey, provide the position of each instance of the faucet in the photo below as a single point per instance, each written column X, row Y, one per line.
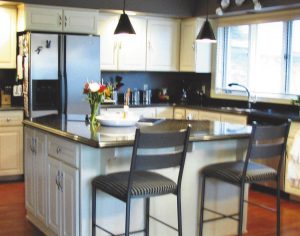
column 247, row 91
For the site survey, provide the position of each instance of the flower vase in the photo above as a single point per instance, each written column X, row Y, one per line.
column 94, row 112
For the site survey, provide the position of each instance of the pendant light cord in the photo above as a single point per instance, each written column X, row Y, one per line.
column 124, row 7
column 206, row 9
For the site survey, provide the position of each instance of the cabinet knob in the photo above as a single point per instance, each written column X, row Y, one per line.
column 60, row 20
column 58, row 150
column 8, row 119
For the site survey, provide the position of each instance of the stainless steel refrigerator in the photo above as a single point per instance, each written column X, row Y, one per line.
column 54, row 68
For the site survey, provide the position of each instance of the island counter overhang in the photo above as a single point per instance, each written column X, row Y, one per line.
column 107, row 151
column 74, row 127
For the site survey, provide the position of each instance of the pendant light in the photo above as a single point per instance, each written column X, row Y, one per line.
column 206, row 33
column 124, row 26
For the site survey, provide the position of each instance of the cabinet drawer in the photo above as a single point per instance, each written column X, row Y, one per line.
column 63, row 150
column 11, row 118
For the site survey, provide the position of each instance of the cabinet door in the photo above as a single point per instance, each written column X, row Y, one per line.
column 80, row 21
column 11, row 148
column 191, row 114
column 132, row 50
column 208, row 115
column 163, row 44
column 8, row 38
column 54, row 209
column 179, row 114
column 41, row 183
column 29, row 172
column 194, row 56
column 43, row 18
column 164, row 112
column 70, row 202
column 187, row 45
column 108, row 44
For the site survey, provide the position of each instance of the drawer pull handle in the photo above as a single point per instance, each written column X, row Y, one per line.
column 58, row 150
column 8, row 119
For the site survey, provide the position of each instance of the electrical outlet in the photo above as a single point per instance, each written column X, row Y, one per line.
column 203, row 89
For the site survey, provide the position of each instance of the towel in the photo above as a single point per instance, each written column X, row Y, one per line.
column 293, row 164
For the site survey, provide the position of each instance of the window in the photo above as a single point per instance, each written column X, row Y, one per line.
column 264, row 57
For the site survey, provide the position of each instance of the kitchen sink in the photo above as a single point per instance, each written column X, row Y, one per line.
column 238, row 109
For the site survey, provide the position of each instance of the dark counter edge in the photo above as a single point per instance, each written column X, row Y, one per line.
column 11, row 108
column 95, row 144
column 230, row 110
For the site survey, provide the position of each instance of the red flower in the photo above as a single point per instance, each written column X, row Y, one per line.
column 102, row 88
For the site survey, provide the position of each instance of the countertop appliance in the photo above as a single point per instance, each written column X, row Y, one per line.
column 54, row 68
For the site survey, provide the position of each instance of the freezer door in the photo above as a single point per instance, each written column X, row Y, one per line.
column 43, row 56
column 82, row 65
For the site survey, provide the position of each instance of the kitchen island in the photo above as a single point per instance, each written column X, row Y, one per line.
column 63, row 154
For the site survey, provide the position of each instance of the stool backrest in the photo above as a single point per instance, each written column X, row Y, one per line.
column 268, row 142
column 158, row 150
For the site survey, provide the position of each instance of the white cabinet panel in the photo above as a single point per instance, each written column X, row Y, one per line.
column 35, row 169
column 132, row 48
column 108, row 44
column 83, row 21
column 8, row 37
column 164, row 112
column 163, row 44
column 57, row 19
column 11, row 143
column 122, row 52
column 194, row 56
column 54, row 213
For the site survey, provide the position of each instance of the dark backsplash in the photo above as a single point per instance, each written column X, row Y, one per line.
column 173, row 81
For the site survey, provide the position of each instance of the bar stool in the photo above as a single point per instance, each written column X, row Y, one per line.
column 266, row 142
column 151, row 150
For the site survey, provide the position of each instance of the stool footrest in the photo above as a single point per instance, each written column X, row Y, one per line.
column 222, row 216
column 164, row 223
column 110, row 233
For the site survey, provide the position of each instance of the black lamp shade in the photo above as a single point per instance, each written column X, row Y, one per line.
column 124, row 26
column 206, row 33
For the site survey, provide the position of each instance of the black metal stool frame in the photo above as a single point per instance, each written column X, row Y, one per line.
column 265, row 142
column 141, row 163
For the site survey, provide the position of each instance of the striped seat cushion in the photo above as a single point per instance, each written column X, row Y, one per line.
column 145, row 184
column 232, row 172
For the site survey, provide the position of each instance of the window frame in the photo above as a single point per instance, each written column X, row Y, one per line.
column 287, row 17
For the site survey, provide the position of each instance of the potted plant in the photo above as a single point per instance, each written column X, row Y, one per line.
column 296, row 102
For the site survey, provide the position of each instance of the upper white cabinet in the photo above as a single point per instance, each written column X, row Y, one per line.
column 122, row 52
column 48, row 18
column 163, row 37
column 154, row 47
column 8, row 18
column 194, row 56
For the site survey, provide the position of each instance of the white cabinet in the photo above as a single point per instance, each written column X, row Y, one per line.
column 209, row 115
column 11, row 143
column 292, row 180
column 122, row 52
column 163, row 37
column 179, row 113
column 8, row 18
column 192, row 114
column 63, row 187
column 194, row 56
column 49, row 18
column 145, row 112
column 164, row 112
column 35, row 169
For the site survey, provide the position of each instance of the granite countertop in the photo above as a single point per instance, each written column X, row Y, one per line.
column 73, row 127
column 233, row 110
column 10, row 108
